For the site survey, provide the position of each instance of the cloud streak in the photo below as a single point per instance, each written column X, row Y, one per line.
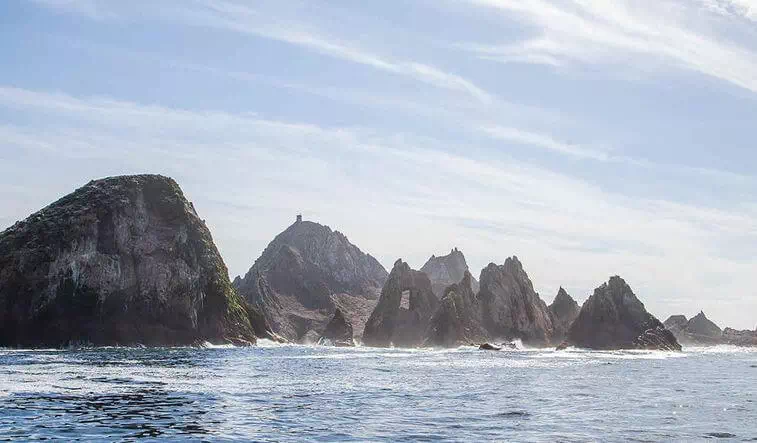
column 623, row 32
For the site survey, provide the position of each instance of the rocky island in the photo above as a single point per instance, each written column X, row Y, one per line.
column 126, row 260
column 305, row 274
column 447, row 270
column 403, row 311
column 511, row 308
column 120, row 261
column 614, row 318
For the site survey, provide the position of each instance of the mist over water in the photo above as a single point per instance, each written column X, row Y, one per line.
column 295, row 393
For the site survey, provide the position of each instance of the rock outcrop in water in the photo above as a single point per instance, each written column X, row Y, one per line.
column 563, row 311
column 457, row 320
column 698, row 331
column 305, row 273
column 511, row 309
column 403, row 311
column 338, row 332
column 740, row 338
column 614, row 318
column 122, row 260
column 447, row 270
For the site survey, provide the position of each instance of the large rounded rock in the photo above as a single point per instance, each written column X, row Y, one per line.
column 122, row 260
column 614, row 318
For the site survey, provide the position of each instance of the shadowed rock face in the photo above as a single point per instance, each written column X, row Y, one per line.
column 122, row 260
column 391, row 323
column 511, row 308
column 458, row 320
column 697, row 331
column 613, row 318
column 563, row 311
column 305, row 273
column 338, row 332
column 447, row 270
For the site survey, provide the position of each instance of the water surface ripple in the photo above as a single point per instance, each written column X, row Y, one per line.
column 300, row 393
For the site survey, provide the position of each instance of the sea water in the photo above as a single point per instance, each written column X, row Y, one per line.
column 300, row 393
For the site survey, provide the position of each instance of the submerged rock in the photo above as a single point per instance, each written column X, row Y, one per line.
column 403, row 311
column 305, row 273
column 698, row 331
column 458, row 318
column 614, row 318
column 447, row 270
column 338, row 332
column 563, row 311
column 511, row 309
column 121, row 261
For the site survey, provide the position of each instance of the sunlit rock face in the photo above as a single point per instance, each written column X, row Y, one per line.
column 458, row 319
column 563, row 311
column 447, row 270
column 511, row 308
column 391, row 323
column 305, row 273
column 614, row 318
column 122, row 260
column 699, row 330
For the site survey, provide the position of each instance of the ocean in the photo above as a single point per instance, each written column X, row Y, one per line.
column 307, row 393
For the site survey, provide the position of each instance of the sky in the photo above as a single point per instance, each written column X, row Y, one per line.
column 590, row 138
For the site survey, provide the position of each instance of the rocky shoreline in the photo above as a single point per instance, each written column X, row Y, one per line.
column 127, row 261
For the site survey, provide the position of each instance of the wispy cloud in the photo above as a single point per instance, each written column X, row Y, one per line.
column 241, row 17
column 640, row 34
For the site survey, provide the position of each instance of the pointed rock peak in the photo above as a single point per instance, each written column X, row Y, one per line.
column 563, row 298
column 398, row 264
column 513, row 264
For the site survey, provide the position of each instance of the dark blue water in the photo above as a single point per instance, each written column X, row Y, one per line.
column 298, row 393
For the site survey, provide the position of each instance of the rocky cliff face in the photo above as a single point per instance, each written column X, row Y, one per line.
column 447, row 270
column 403, row 311
column 338, row 332
column 511, row 308
column 458, row 319
column 563, row 311
column 305, row 273
column 613, row 318
column 697, row 331
column 122, row 260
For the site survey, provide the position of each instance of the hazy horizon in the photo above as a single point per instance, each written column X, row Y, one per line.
column 588, row 138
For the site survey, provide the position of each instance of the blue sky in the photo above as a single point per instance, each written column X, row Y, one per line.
column 590, row 138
